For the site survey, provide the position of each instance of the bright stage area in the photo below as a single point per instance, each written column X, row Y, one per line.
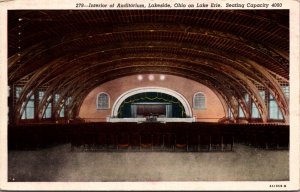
column 149, row 119
column 60, row 164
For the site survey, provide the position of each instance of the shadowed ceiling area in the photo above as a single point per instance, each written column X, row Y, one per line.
column 70, row 52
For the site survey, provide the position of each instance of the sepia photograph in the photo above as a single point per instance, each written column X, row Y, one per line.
column 154, row 95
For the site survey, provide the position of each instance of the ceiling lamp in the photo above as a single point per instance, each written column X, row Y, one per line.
column 151, row 77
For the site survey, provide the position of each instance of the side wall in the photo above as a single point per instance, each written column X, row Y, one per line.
column 185, row 87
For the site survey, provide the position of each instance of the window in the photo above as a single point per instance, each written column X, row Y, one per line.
column 199, row 101
column 255, row 112
column 274, row 110
column 68, row 101
column 103, row 101
column 41, row 95
column 246, row 97
column 241, row 112
column 18, row 92
column 28, row 112
column 62, row 112
column 65, row 105
column 262, row 95
column 230, row 115
column 56, row 98
column 286, row 91
column 48, row 110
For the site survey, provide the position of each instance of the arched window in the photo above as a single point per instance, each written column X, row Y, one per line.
column 103, row 101
column 199, row 101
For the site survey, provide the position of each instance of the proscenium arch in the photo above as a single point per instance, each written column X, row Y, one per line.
column 135, row 91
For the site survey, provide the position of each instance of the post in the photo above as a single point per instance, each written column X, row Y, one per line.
column 232, row 144
column 140, row 142
column 163, row 141
column 117, row 142
column 222, row 146
column 209, row 143
column 199, row 142
column 174, row 147
column 187, row 143
column 151, row 142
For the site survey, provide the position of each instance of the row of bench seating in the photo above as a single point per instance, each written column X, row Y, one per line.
column 149, row 136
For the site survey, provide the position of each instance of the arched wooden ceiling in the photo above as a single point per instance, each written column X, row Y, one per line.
column 70, row 52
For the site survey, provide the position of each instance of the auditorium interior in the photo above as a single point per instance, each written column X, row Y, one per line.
column 148, row 95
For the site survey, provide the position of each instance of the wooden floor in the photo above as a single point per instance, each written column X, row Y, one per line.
column 60, row 164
